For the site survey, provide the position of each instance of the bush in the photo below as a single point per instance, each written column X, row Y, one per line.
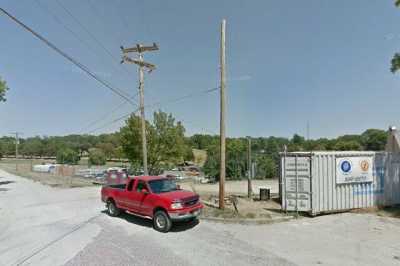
column 97, row 157
column 266, row 167
column 67, row 156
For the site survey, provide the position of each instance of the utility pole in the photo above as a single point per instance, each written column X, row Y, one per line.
column 16, row 147
column 142, row 64
column 222, row 120
column 249, row 166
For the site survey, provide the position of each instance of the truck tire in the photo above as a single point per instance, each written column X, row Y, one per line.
column 162, row 222
column 112, row 209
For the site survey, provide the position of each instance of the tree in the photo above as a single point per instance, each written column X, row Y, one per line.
column 349, row 145
column 3, row 89
column 32, row 147
column 67, row 156
column 97, row 157
column 211, row 167
column 374, row 139
column 107, row 148
column 266, row 167
column 119, row 152
column 165, row 141
column 396, row 58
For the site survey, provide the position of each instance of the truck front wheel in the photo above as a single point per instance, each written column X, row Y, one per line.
column 161, row 221
column 112, row 209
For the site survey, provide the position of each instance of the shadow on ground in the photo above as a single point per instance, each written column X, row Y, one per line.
column 176, row 227
column 6, row 182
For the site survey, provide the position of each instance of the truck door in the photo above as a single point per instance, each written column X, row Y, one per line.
column 125, row 197
column 140, row 200
column 296, row 183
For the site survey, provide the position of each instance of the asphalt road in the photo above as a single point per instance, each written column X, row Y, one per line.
column 40, row 225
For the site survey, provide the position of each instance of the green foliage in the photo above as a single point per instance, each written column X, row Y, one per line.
column 396, row 58
column 167, row 146
column 347, row 145
column 211, row 167
column 266, row 167
column 395, row 63
column 107, row 149
column 374, row 139
column 32, row 147
column 67, row 156
column 119, row 152
column 3, row 90
column 7, row 145
column 165, row 141
column 97, row 157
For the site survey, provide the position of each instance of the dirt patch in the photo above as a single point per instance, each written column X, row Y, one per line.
column 245, row 208
column 393, row 211
column 24, row 170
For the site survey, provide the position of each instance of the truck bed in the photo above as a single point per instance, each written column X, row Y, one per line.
column 117, row 186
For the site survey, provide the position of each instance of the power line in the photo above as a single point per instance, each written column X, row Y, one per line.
column 113, row 121
column 46, row 9
column 183, row 97
column 90, row 34
column 101, row 118
column 155, row 104
column 69, row 58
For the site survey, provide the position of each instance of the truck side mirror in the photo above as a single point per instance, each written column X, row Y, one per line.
column 178, row 187
column 145, row 191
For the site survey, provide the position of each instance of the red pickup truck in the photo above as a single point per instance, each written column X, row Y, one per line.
column 152, row 197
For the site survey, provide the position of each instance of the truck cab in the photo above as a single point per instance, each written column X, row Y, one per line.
column 152, row 197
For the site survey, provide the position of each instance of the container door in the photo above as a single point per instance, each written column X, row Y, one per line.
column 297, row 183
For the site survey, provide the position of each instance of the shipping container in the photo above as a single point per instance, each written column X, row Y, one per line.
column 333, row 181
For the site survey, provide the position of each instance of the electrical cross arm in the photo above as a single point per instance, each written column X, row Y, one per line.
column 139, row 48
column 138, row 62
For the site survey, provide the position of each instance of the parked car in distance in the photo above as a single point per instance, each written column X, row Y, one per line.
column 153, row 197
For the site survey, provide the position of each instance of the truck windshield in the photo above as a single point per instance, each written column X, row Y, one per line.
column 162, row 185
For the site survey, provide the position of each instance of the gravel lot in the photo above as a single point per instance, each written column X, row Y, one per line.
column 40, row 225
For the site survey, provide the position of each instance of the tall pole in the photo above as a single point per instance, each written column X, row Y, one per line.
column 222, row 120
column 142, row 64
column 16, row 144
column 249, row 165
column 16, row 147
column 143, row 120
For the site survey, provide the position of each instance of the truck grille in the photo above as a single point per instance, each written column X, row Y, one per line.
column 190, row 201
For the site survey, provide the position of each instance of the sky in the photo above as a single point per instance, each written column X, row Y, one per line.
column 289, row 63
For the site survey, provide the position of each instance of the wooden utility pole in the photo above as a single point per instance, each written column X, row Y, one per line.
column 222, row 120
column 249, row 172
column 16, row 134
column 140, row 49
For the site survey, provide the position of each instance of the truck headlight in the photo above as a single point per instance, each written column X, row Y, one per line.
column 176, row 205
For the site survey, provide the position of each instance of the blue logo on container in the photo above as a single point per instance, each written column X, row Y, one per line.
column 345, row 166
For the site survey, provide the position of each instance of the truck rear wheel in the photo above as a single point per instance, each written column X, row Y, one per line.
column 112, row 209
column 161, row 221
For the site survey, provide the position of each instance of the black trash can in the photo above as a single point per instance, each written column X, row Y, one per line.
column 265, row 193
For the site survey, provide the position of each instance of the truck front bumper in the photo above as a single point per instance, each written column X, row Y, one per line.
column 182, row 215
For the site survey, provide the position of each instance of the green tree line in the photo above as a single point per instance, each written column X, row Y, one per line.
column 168, row 146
